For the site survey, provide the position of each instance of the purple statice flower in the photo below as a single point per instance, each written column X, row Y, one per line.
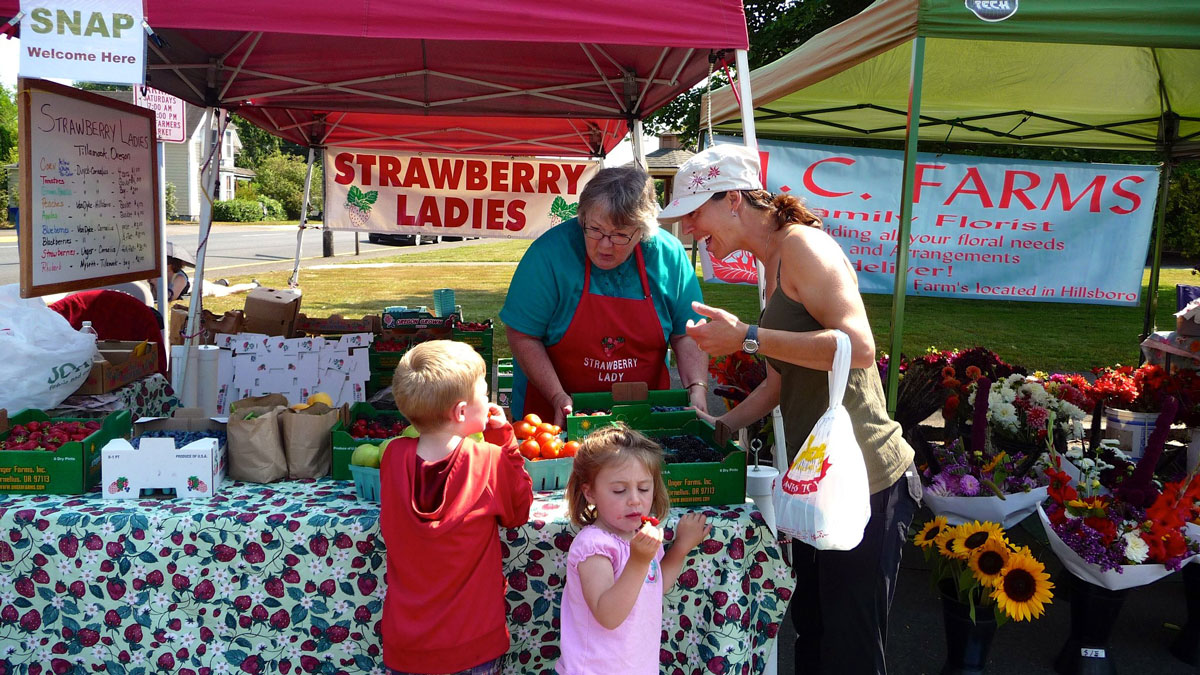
column 968, row 485
column 1087, row 543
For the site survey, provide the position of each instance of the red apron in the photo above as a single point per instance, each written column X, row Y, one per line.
column 609, row 340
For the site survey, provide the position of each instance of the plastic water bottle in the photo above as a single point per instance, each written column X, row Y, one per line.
column 87, row 329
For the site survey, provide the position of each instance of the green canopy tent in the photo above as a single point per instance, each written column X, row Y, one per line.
column 1104, row 74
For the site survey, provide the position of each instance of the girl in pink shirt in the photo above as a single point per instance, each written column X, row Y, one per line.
column 617, row 572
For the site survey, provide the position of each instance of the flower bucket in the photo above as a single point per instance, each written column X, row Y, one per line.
column 967, row 641
column 1193, row 450
column 1008, row 511
column 1132, row 429
column 1130, row 576
column 1094, row 612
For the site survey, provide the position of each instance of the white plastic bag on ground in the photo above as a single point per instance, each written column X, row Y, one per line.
column 43, row 359
column 824, row 498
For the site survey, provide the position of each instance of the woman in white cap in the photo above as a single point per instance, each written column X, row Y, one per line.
column 597, row 299
column 842, row 597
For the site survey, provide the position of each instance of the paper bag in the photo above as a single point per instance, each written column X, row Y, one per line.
column 306, row 440
column 256, row 445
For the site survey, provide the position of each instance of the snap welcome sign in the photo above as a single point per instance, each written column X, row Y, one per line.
column 453, row 195
column 83, row 40
column 982, row 227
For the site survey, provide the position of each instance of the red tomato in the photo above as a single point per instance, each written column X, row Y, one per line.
column 547, row 428
column 533, row 419
column 552, row 451
column 530, row 449
column 523, row 429
column 570, row 448
column 545, row 438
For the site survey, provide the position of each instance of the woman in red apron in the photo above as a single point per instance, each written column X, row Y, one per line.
column 609, row 339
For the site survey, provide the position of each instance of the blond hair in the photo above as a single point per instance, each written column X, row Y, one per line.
column 605, row 447
column 432, row 378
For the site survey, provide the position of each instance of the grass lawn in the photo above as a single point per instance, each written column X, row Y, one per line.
column 1055, row 337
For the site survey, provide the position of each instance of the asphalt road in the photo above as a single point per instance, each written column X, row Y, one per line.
column 237, row 249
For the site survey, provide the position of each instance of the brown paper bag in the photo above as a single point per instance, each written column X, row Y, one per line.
column 256, row 445
column 306, row 440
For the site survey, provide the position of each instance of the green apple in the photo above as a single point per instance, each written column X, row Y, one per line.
column 366, row 455
column 410, row 432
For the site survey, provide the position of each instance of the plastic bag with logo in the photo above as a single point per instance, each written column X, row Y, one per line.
column 44, row 359
column 824, row 498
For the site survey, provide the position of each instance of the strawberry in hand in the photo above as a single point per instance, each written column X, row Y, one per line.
column 650, row 519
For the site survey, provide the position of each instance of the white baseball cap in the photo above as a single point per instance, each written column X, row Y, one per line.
column 720, row 168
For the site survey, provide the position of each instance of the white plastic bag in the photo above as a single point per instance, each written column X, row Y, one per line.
column 44, row 360
column 824, row 499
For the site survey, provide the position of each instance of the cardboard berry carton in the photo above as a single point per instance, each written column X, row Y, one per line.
column 194, row 470
column 71, row 468
column 361, row 423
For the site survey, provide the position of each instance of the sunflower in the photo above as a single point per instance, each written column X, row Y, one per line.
column 970, row 536
column 1024, row 588
column 944, row 543
column 987, row 561
column 928, row 534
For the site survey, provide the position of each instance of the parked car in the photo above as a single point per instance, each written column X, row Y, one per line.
column 399, row 239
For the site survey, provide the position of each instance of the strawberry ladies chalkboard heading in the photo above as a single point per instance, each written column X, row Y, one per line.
column 89, row 190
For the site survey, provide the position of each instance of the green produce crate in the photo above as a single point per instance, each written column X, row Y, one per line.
column 481, row 340
column 71, row 470
column 344, row 444
column 704, row 483
column 549, row 474
column 636, row 415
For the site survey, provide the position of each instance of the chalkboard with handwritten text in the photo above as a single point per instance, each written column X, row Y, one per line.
column 89, row 186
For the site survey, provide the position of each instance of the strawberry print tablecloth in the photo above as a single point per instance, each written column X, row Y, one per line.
column 288, row 577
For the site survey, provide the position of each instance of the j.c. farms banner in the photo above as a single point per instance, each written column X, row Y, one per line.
column 982, row 227
column 453, row 195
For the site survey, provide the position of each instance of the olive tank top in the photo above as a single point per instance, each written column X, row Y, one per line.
column 804, row 397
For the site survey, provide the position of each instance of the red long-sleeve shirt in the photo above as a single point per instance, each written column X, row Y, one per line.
column 445, row 610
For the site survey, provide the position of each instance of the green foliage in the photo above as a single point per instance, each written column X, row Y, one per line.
column 274, row 210
column 8, row 127
column 776, row 27
column 237, row 211
column 172, row 200
column 98, row 86
column 258, row 144
column 1181, row 229
column 246, row 190
column 281, row 177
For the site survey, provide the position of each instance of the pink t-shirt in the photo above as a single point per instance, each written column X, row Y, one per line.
column 591, row 649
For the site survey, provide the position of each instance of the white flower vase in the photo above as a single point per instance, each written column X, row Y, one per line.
column 1132, row 429
column 1008, row 511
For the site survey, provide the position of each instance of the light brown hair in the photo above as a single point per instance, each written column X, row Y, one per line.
column 623, row 193
column 432, row 378
column 605, row 447
column 789, row 210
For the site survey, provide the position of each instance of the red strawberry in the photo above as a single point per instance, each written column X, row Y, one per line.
column 204, row 591
column 337, row 634
column 650, row 519
column 202, row 487
column 24, row 586
column 133, row 633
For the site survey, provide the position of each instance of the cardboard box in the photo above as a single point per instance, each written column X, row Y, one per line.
column 272, row 311
column 1186, row 327
column 120, row 366
column 194, row 470
column 337, row 324
column 71, row 470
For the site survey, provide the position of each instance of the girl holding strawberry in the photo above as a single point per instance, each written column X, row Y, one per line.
column 617, row 571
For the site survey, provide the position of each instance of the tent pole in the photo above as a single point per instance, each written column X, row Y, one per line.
column 164, row 302
column 635, row 134
column 1164, row 180
column 209, row 190
column 911, row 134
column 294, row 280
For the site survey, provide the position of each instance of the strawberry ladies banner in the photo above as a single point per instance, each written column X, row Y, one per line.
column 983, row 228
column 452, row 195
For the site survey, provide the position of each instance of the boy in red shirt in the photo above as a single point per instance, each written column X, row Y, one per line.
column 443, row 495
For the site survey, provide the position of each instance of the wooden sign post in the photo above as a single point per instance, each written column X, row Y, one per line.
column 89, row 190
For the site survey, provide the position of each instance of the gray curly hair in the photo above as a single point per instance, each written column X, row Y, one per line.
column 626, row 195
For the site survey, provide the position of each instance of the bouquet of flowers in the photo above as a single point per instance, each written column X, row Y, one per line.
column 920, row 392
column 737, row 375
column 1129, row 532
column 964, row 368
column 1020, row 408
column 1139, row 389
column 976, row 564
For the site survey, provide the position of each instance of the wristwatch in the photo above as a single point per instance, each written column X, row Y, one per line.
column 750, row 344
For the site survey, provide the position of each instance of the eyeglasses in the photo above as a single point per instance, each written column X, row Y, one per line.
column 617, row 238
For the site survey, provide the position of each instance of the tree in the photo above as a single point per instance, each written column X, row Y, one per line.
column 259, row 144
column 281, row 177
column 776, row 27
column 98, row 86
column 8, row 127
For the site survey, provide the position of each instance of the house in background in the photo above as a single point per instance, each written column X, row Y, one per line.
column 182, row 161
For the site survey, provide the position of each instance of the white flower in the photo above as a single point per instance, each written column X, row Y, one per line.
column 1136, row 549
column 306, row 602
column 49, row 538
column 340, row 607
column 1036, row 392
column 1013, row 380
column 1005, row 415
column 1075, row 452
column 1007, row 395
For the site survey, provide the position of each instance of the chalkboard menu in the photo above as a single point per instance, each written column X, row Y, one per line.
column 89, row 186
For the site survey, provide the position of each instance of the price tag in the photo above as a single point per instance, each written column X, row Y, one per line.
column 1091, row 653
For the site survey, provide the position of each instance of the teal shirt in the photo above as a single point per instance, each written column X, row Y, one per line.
column 548, row 284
